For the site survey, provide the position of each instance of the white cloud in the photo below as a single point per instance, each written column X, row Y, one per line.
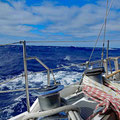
column 73, row 22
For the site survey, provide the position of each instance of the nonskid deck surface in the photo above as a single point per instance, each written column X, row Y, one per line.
column 86, row 108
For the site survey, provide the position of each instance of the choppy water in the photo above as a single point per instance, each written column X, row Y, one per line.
column 11, row 66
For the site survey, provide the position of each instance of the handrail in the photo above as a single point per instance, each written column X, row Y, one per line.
column 113, row 58
column 45, row 66
column 30, row 58
column 113, row 74
column 20, row 90
column 26, row 75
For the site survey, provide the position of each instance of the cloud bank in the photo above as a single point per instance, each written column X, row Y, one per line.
column 50, row 21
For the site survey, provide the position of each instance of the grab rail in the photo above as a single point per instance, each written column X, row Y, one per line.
column 48, row 70
column 113, row 74
column 26, row 76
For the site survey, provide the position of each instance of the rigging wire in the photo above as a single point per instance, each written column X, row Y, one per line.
column 69, row 41
column 11, row 43
column 102, row 55
column 100, row 32
column 56, row 41
column 86, row 41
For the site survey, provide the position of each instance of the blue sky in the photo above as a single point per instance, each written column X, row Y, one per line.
column 59, row 20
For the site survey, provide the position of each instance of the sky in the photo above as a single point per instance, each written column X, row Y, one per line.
column 58, row 20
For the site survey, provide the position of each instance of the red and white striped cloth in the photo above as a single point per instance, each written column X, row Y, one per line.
column 101, row 94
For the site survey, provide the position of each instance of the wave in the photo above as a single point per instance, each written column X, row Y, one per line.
column 11, row 66
column 67, row 58
column 36, row 80
column 113, row 48
column 40, row 79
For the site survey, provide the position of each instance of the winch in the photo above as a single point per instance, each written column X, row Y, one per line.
column 49, row 97
column 95, row 74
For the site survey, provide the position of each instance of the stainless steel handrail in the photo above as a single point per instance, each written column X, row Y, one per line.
column 26, row 76
column 45, row 66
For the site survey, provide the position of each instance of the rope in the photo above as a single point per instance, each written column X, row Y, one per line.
column 113, row 85
column 51, row 112
column 100, row 32
column 106, row 95
column 11, row 79
column 18, row 90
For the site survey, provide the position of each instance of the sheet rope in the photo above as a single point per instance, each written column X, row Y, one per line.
column 107, row 95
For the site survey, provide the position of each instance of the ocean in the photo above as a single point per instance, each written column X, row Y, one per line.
column 11, row 67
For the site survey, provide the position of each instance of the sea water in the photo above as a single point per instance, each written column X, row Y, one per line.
column 11, row 67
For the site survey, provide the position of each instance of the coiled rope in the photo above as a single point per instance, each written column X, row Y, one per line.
column 106, row 95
